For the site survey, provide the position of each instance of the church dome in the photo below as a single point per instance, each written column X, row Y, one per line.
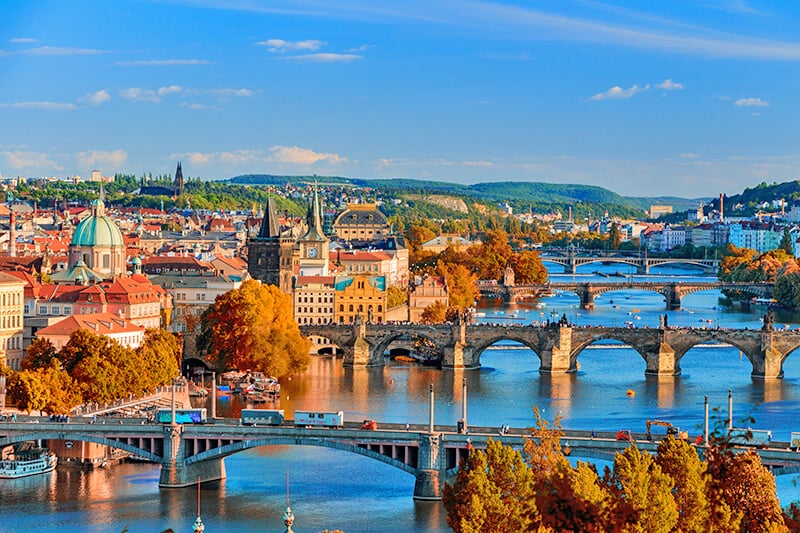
column 97, row 229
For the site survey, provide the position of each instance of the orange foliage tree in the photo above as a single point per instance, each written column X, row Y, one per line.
column 252, row 328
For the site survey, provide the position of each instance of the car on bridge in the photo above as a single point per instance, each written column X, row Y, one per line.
column 625, row 434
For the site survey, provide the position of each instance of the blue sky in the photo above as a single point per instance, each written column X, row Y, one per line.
column 645, row 97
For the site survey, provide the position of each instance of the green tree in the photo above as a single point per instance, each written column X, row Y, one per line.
column 493, row 493
column 252, row 328
column 786, row 242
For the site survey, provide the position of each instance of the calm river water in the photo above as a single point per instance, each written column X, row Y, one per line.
column 336, row 490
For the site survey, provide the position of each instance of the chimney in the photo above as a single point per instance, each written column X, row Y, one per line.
column 721, row 210
column 12, row 234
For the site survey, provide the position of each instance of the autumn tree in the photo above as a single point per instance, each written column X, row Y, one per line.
column 493, row 493
column 614, row 236
column 638, row 483
column 395, row 296
column 747, row 487
column 489, row 258
column 27, row 391
column 528, row 267
column 436, row 313
column 462, row 285
column 62, row 393
column 252, row 328
column 160, row 358
column 734, row 257
column 39, row 354
column 679, row 460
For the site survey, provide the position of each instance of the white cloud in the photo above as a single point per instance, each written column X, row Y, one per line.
column 362, row 48
column 750, row 102
column 301, row 156
column 49, row 106
column 96, row 98
column 163, row 62
column 618, row 93
column 324, row 58
column 60, row 51
column 669, row 85
column 225, row 93
column 22, row 159
column 478, row 163
column 689, row 155
column 281, row 46
column 22, row 40
column 172, row 89
column 292, row 155
column 195, row 106
column 138, row 94
column 97, row 158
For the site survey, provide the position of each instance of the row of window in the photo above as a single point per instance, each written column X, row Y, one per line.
column 10, row 298
column 310, row 299
column 315, row 320
column 318, row 310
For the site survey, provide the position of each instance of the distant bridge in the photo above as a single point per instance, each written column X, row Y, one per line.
column 559, row 346
column 672, row 291
column 571, row 260
column 188, row 453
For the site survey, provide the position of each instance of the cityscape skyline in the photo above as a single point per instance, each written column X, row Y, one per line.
column 685, row 99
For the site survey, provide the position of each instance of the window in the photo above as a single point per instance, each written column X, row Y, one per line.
column 67, row 309
column 106, row 261
column 55, row 310
column 42, row 309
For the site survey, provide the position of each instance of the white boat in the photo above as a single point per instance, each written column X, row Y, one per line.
column 27, row 462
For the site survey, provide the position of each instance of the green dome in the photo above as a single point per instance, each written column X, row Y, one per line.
column 97, row 230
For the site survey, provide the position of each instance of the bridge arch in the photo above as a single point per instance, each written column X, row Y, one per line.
column 380, row 345
column 481, row 345
column 604, row 336
column 240, row 446
column 55, row 435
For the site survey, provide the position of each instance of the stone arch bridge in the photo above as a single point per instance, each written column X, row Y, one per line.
column 673, row 292
column 559, row 346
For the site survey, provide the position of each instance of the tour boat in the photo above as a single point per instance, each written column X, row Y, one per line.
column 27, row 462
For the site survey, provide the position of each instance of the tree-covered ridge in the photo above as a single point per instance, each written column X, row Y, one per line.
column 522, row 196
column 752, row 198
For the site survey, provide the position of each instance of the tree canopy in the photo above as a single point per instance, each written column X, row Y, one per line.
column 252, row 328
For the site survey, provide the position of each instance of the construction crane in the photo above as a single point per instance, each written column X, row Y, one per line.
column 671, row 430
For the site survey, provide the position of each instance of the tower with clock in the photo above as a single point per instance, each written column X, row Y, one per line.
column 314, row 245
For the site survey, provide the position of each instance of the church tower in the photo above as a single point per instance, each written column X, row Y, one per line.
column 314, row 245
column 178, row 185
column 269, row 254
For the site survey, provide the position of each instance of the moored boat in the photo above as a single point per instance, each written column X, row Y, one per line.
column 27, row 462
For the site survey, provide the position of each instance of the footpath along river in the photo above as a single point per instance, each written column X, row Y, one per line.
column 336, row 490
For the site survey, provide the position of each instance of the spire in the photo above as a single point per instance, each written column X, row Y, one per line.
column 269, row 224
column 314, row 219
column 178, row 185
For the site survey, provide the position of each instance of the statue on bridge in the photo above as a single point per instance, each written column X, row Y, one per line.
column 508, row 277
column 768, row 321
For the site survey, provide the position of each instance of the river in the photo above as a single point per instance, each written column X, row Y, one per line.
column 336, row 490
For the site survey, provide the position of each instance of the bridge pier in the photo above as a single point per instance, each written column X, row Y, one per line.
column 457, row 353
column 770, row 363
column 557, row 359
column 175, row 473
column 587, row 298
column 661, row 362
column 673, row 297
column 430, row 472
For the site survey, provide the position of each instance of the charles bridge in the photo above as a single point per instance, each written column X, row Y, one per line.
column 673, row 291
column 559, row 345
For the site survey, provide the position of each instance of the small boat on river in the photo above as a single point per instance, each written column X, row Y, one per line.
column 27, row 461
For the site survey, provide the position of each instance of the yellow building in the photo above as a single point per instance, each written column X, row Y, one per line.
column 425, row 292
column 363, row 296
column 12, row 302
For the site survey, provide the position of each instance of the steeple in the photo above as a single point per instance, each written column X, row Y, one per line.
column 178, row 185
column 269, row 224
column 314, row 220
